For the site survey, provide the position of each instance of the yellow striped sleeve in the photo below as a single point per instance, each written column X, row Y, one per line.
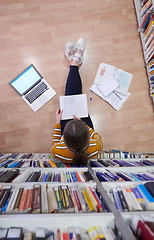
column 56, row 134
column 94, row 135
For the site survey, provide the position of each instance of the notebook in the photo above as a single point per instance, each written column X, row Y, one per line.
column 33, row 89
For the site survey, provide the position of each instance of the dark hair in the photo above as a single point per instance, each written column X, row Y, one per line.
column 76, row 137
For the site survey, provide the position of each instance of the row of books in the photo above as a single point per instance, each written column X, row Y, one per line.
column 54, row 163
column 121, row 163
column 135, row 197
column 106, row 154
column 146, row 5
column 147, row 29
column 70, row 233
column 150, row 68
column 47, row 199
column 14, row 176
column 142, row 226
column 110, row 176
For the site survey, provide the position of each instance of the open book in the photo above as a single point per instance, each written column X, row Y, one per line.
column 112, row 85
column 122, row 77
column 74, row 105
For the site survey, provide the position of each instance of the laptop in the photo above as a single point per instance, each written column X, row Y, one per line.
column 33, row 89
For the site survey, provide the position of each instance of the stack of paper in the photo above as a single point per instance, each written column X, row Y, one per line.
column 112, row 85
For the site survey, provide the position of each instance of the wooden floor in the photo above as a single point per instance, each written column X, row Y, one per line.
column 36, row 32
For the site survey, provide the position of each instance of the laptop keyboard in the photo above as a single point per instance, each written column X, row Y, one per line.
column 37, row 92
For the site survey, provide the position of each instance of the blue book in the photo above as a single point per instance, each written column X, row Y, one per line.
column 134, row 178
column 74, row 178
column 109, row 176
column 124, row 176
column 117, row 200
column 138, row 176
column 5, row 163
column 149, row 199
column 94, row 164
column 115, row 177
column 136, row 192
column 143, row 177
column 44, row 179
column 6, row 203
column 101, row 177
column 12, row 165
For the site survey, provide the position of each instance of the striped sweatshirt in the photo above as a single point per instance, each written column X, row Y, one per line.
column 61, row 152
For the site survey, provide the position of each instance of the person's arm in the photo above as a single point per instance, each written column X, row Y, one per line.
column 94, row 135
column 57, row 128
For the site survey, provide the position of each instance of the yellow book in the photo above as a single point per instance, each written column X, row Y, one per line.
column 65, row 195
column 100, row 233
column 93, row 235
column 52, row 163
column 88, row 200
column 149, row 28
column 94, row 202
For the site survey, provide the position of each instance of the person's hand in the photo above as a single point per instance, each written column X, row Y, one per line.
column 58, row 115
column 75, row 117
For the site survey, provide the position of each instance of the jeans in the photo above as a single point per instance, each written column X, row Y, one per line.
column 73, row 87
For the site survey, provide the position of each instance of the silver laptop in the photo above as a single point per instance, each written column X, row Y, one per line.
column 33, row 89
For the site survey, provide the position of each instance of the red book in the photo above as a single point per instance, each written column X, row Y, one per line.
column 143, row 231
column 77, row 200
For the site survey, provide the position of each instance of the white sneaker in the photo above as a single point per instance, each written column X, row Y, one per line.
column 70, row 50
column 80, row 47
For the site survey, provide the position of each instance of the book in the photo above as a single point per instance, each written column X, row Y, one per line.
column 28, row 203
column 149, row 199
column 44, row 199
column 68, row 199
column 122, row 199
column 88, row 202
column 6, row 203
column 36, row 199
column 3, row 233
column 136, row 204
column 52, row 202
column 23, row 176
column 143, row 231
column 12, row 200
column 74, row 105
column 59, row 199
column 123, row 78
column 9, row 176
column 138, row 195
column 127, row 198
column 40, row 233
column 149, row 40
column 70, row 189
column 117, row 200
column 115, row 99
column 14, row 233
column 23, row 199
column 4, row 194
column 150, row 187
column 78, row 207
column 28, row 236
column 18, row 199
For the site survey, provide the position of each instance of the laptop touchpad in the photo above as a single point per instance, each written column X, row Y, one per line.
column 43, row 99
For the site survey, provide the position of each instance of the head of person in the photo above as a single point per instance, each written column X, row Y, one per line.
column 76, row 138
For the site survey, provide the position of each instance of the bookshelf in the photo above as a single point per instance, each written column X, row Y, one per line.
column 138, row 5
column 113, row 219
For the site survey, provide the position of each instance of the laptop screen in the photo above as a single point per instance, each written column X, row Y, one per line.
column 26, row 80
